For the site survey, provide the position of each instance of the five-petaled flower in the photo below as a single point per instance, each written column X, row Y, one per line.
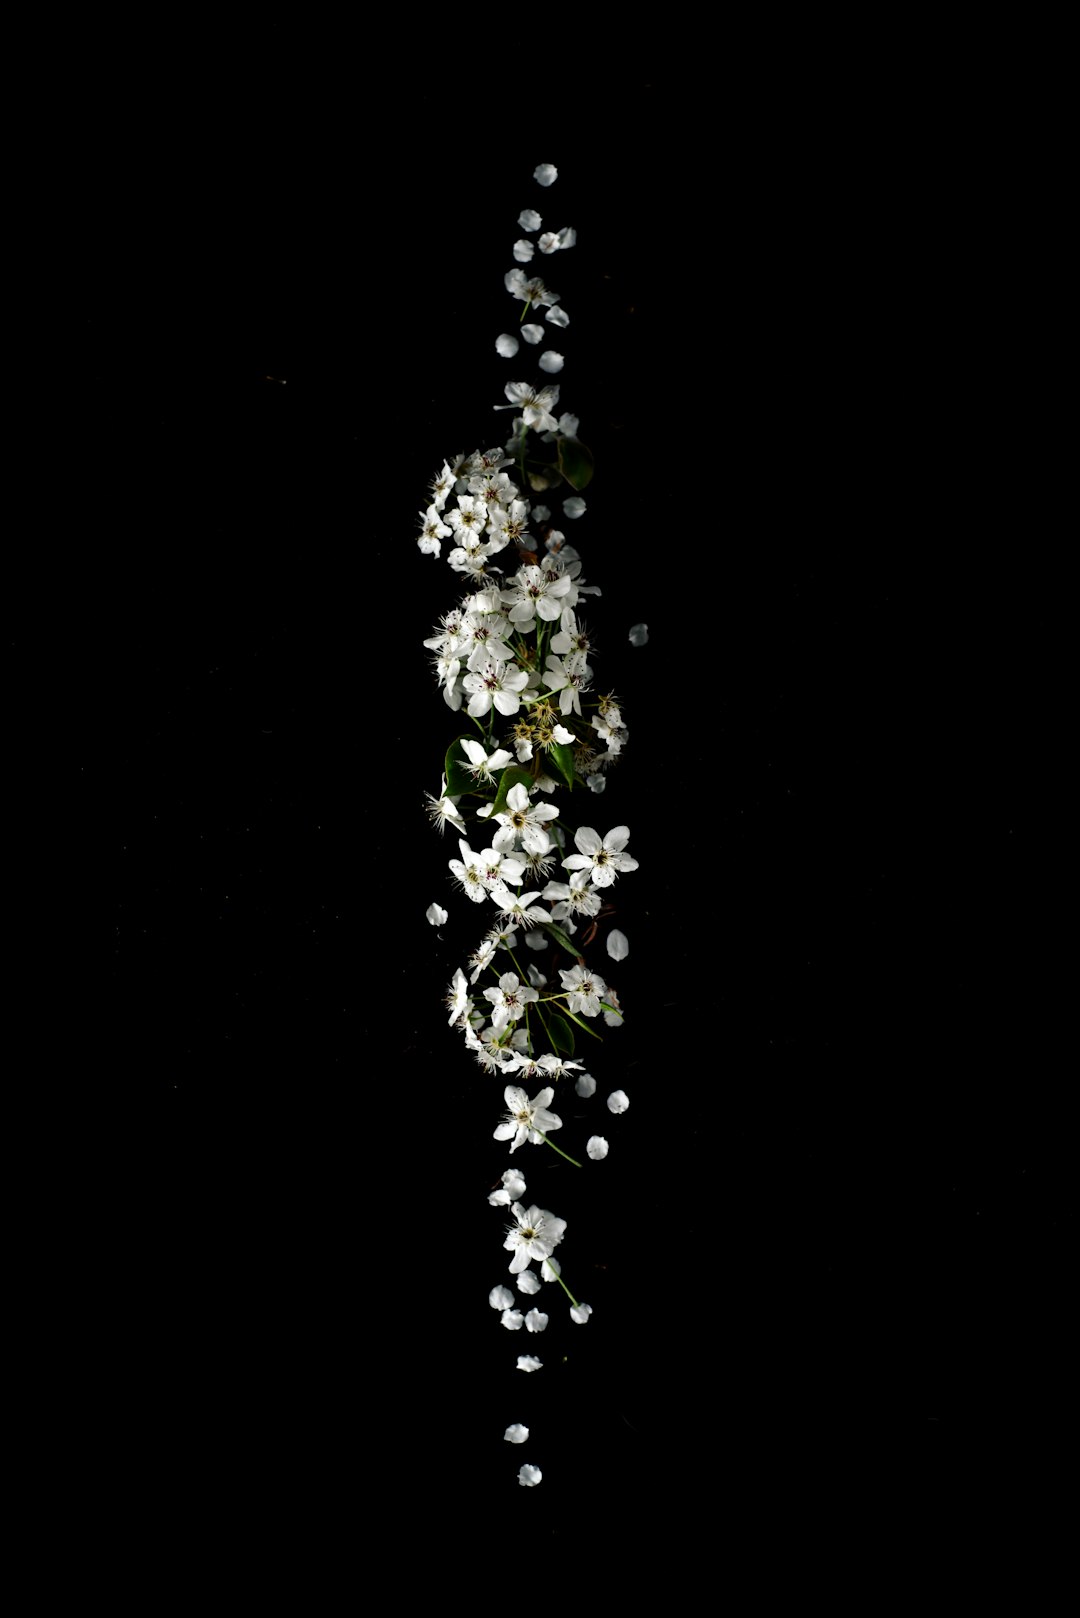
column 526, row 1119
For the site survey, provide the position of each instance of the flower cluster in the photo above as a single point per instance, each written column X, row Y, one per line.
column 514, row 658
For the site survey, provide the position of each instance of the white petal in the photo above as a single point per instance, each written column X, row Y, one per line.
column 564, row 737
column 574, row 506
column 597, row 1148
column 596, row 783
column 527, row 1282
column 529, row 219
column 580, row 1313
column 500, row 1297
column 529, row 1362
column 529, row 1476
column 588, row 841
column 532, row 334
column 585, row 1084
column 618, row 945
column 523, row 251
column 536, row 1320
column 511, row 1319
column 436, row 915
column 550, row 361
column 507, row 346
column 517, row 1434
column 545, row 174
column 557, row 316
column 618, row 1101
column 639, row 634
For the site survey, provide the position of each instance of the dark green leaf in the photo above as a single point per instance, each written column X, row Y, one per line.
column 562, row 1035
column 563, row 759
column 575, row 462
column 561, row 939
column 459, row 778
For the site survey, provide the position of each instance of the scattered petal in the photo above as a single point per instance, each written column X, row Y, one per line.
column 512, row 1320
column 536, row 1320
column 436, row 915
column 557, row 315
column 549, row 242
column 574, row 506
column 527, row 1282
column 618, row 1101
column 532, row 334
column 506, row 345
column 545, row 174
column 580, row 1313
column 523, row 251
column 529, row 1362
column 585, row 1084
column 618, row 945
column 639, row 634
column 529, row 1476
column 567, row 237
column 551, row 1269
column 541, row 513
column 529, row 219
column 596, row 783
column 500, row 1297
column 550, row 361
column 597, row 1147
column 517, row 1434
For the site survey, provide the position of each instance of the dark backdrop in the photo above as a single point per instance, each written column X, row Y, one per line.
column 825, row 1233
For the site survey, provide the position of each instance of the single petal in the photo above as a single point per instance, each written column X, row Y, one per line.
column 618, row 945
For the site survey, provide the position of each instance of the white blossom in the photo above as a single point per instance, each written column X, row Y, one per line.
column 606, row 859
column 534, row 1234
column 525, row 1119
column 585, row 990
column 618, row 1101
column 512, row 1190
column 597, row 1148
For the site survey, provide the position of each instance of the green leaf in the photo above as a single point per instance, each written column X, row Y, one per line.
column 561, row 939
column 459, row 778
column 562, row 1035
column 509, row 778
column 575, row 462
column 563, row 759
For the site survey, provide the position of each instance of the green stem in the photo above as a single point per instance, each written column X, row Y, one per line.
column 566, row 1289
column 558, row 1149
column 574, row 1018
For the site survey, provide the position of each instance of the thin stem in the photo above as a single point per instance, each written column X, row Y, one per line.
column 559, row 1149
column 566, row 1289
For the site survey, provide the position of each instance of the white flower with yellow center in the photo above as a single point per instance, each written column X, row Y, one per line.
column 527, row 1120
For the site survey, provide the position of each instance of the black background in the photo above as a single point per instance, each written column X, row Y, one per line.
column 826, row 1236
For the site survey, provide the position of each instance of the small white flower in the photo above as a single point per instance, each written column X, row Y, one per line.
column 436, row 915
column 545, row 174
column 584, row 990
column 527, row 1282
column 458, row 999
column 574, row 506
column 618, row 1101
column 536, row 1320
column 606, row 859
column 517, row 1434
column 580, row 1313
column 532, row 333
column 551, row 361
column 500, row 1298
column 557, row 315
column 618, row 945
column 535, row 1233
column 639, row 634
column 512, row 1319
column 597, row 1148
column 513, row 1188
column 529, row 1362
column 507, row 346
column 529, row 219
column 523, row 251
column 585, row 1084
column 529, row 1476
column 526, row 1119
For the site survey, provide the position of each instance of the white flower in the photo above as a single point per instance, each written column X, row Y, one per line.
column 585, row 1084
column 535, row 405
column 529, row 219
column 545, row 174
column 551, row 361
column 529, row 1362
column 512, row 1319
column 469, row 872
column 605, row 858
column 569, row 679
column 500, row 1298
column 585, row 990
column 618, row 945
column 529, row 1476
column 536, row 1320
column 613, row 1017
column 517, row 1434
column 639, row 634
column 528, row 291
column 443, row 810
column 557, row 315
column 597, row 1148
column 509, row 999
column 535, row 1234
column 523, row 251
column 527, row 1281
column 532, row 334
column 526, row 1118
column 481, row 958
column 458, row 998
column 580, row 1313
column 432, row 530
column 513, row 1189
column 618, row 1101
column 524, row 819
column 506, row 345
column 482, row 766
column 437, row 915
column 494, row 682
